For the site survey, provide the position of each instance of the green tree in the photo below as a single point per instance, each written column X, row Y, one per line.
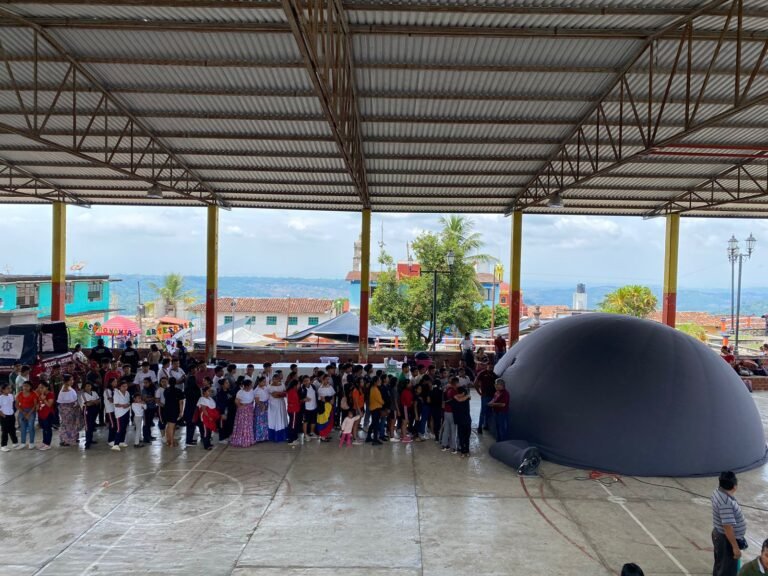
column 172, row 292
column 406, row 302
column 632, row 300
column 501, row 318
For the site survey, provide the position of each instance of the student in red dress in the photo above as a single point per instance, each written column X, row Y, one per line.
column 294, row 411
column 45, row 401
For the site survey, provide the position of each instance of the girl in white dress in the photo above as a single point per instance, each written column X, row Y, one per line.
column 277, row 417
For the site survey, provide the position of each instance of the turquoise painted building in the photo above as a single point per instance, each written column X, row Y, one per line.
column 85, row 296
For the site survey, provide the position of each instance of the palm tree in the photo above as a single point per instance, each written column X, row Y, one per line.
column 172, row 292
column 459, row 230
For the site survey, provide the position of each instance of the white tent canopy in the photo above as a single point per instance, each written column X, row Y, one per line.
column 238, row 333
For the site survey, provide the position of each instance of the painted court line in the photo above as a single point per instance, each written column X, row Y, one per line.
column 661, row 546
column 123, row 536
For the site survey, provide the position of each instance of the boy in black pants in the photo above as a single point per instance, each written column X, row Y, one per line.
column 462, row 419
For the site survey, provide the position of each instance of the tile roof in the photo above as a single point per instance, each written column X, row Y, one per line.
column 273, row 305
column 700, row 318
column 355, row 276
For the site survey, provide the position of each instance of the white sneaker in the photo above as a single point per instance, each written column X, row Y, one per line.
column 123, row 445
column 223, row 441
column 357, row 443
column 110, row 444
column 116, row 448
column 5, row 449
column 19, row 447
column 44, row 447
column 393, row 439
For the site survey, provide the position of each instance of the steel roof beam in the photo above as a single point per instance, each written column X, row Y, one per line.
column 707, row 194
column 376, row 118
column 14, row 180
column 456, row 96
column 371, row 172
column 322, row 35
column 373, row 29
column 579, row 157
column 606, row 9
column 131, row 130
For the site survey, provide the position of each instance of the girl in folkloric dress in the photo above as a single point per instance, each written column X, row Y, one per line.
column 242, row 435
column 278, row 412
column 260, row 411
column 69, row 414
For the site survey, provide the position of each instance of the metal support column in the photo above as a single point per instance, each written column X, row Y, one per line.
column 212, row 281
column 59, row 262
column 515, row 258
column 671, row 244
column 365, row 283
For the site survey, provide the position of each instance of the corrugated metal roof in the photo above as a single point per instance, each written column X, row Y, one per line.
column 476, row 50
column 449, row 121
column 150, row 13
column 496, row 20
column 172, row 44
column 488, row 83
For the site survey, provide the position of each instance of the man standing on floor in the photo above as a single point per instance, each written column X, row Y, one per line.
column 729, row 526
column 485, row 387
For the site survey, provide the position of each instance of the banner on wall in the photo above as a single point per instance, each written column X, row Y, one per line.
column 11, row 346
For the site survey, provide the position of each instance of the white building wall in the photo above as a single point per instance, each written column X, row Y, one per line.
column 260, row 324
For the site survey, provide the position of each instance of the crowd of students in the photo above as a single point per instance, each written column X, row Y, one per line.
column 363, row 404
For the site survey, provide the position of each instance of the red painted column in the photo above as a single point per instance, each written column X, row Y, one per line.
column 365, row 285
column 212, row 281
column 58, row 264
column 669, row 301
column 515, row 248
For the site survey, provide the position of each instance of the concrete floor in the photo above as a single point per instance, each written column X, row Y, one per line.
column 394, row 510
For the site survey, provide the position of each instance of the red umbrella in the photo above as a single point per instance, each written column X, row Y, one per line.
column 118, row 326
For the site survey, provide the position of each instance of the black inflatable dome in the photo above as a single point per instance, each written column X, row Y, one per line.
column 635, row 397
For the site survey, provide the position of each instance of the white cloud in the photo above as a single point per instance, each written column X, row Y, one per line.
column 562, row 249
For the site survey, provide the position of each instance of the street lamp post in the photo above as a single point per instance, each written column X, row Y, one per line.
column 736, row 255
column 234, row 305
column 450, row 258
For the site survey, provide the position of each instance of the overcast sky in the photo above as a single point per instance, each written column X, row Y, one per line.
column 559, row 250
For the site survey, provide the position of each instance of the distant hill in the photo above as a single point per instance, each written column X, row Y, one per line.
column 254, row 286
column 715, row 301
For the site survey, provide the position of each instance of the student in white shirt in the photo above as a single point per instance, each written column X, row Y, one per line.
column 144, row 372
column 177, row 372
column 89, row 401
column 122, row 401
column 8, row 416
column 109, row 411
column 204, row 404
column 138, row 407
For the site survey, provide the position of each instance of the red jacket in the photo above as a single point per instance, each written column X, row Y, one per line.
column 293, row 400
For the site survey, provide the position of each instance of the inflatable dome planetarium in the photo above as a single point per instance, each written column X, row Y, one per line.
column 634, row 397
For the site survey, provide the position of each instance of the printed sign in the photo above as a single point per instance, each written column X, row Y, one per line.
column 48, row 343
column 11, row 346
